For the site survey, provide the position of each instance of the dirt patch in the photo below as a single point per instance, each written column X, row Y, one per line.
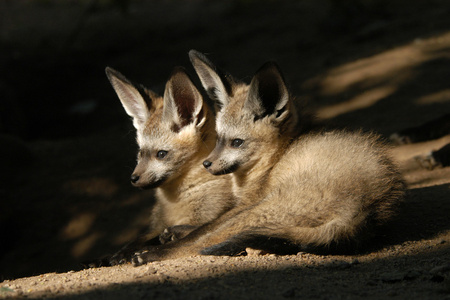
column 68, row 148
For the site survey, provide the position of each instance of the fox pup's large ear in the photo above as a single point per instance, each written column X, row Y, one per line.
column 183, row 103
column 268, row 94
column 132, row 100
column 218, row 85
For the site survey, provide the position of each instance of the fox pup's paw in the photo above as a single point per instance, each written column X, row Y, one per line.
column 126, row 253
column 139, row 259
column 120, row 258
column 143, row 257
column 175, row 233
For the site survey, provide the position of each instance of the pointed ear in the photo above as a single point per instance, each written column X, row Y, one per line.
column 218, row 85
column 183, row 103
column 268, row 94
column 132, row 99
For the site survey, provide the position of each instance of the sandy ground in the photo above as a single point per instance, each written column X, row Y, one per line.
column 68, row 148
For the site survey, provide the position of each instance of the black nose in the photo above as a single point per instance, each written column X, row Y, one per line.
column 134, row 178
column 207, row 164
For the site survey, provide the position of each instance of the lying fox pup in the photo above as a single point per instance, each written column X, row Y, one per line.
column 313, row 190
column 175, row 134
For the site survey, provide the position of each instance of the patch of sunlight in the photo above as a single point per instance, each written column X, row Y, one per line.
column 362, row 100
column 83, row 245
column 369, row 71
column 78, row 226
column 387, row 67
column 439, row 97
column 92, row 187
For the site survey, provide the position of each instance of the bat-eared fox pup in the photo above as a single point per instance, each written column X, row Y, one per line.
column 313, row 190
column 175, row 133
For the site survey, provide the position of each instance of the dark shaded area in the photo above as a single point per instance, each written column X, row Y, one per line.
column 422, row 215
column 442, row 156
column 67, row 147
column 430, row 130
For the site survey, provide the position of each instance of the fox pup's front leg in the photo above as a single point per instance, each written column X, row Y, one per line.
column 182, row 248
column 143, row 242
column 150, row 254
column 233, row 246
column 126, row 253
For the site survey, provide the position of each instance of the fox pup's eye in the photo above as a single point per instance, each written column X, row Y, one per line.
column 236, row 143
column 161, row 154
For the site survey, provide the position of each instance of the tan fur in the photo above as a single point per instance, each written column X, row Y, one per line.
column 311, row 189
column 189, row 195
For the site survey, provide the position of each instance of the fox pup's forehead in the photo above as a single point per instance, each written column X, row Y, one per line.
column 157, row 140
column 236, row 102
column 233, row 112
column 155, row 122
column 156, row 104
column 161, row 136
column 231, row 126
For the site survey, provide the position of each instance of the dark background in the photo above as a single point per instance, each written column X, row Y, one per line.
column 67, row 147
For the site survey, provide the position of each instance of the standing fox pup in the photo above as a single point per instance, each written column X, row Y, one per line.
column 316, row 189
column 175, row 133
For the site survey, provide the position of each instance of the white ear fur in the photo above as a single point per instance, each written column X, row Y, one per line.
column 170, row 110
column 131, row 99
column 209, row 77
column 183, row 103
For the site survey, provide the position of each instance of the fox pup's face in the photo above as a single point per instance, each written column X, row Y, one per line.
column 250, row 119
column 242, row 139
column 169, row 129
column 163, row 151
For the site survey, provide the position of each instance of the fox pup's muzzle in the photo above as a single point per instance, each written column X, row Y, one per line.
column 218, row 171
column 143, row 183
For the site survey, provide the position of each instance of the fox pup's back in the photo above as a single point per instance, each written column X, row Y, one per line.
column 341, row 181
